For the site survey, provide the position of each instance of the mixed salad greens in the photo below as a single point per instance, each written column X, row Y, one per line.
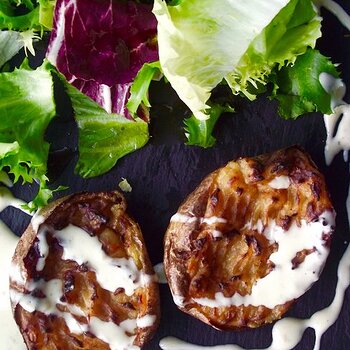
column 106, row 54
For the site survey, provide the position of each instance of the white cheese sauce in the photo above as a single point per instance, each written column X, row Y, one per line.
column 288, row 332
column 79, row 246
column 111, row 273
column 10, row 336
column 211, row 222
column 337, row 11
column 298, row 280
column 337, row 140
column 280, row 182
column 7, row 200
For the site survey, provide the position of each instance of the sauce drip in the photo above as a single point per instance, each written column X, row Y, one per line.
column 290, row 242
column 337, row 11
column 10, row 337
column 288, row 332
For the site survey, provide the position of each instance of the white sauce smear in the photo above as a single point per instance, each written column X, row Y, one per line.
column 288, row 283
column 79, row 246
column 10, row 337
column 111, row 273
column 288, row 332
column 280, row 182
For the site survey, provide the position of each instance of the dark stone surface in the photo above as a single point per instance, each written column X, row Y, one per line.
column 165, row 171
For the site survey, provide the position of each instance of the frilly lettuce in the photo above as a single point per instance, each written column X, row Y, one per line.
column 36, row 14
column 26, row 107
column 202, row 43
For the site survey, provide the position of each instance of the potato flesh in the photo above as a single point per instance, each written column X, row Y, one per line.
column 241, row 194
column 102, row 215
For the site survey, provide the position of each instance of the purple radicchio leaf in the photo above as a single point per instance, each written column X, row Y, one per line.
column 100, row 45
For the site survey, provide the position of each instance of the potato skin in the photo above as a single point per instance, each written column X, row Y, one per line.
column 198, row 265
column 102, row 214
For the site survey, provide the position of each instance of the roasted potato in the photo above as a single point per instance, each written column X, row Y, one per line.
column 82, row 279
column 249, row 240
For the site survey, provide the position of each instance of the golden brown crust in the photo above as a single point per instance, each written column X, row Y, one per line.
column 102, row 215
column 199, row 264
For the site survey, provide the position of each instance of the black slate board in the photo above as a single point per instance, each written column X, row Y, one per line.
column 165, row 171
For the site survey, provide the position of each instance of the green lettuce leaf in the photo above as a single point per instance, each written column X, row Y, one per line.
column 298, row 89
column 199, row 132
column 204, row 42
column 26, row 108
column 39, row 15
column 201, row 41
column 103, row 138
column 291, row 32
column 140, row 86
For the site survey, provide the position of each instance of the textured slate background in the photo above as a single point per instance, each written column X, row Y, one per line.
column 165, row 171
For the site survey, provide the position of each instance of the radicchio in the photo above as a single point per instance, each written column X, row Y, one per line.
column 100, row 45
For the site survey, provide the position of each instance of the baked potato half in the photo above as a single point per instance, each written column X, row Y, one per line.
column 250, row 239
column 82, row 279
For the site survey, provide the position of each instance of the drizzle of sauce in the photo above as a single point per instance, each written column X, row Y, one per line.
column 211, row 222
column 111, row 274
column 337, row 11
column 81, row 247
column 290, row 242
column 339, row 140
column 280, row 182
column 288, row 332
column 10, row 337
column 7, row 200
column 187, row 219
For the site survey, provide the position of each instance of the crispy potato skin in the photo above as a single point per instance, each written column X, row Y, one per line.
column 104, row 215
column 198, row 265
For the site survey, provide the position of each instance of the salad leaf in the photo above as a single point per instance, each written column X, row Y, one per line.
column 10, row 44
column 140, row 86
column 203, row 42
column 38, row 14
column 199, row 132
column 290, row 33
column 100, row 47
column 298, row 88
column 103, row 138
column 26, row 108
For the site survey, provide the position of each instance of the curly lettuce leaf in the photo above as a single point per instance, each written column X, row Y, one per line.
column 38, row 14
column 103, row 137
column 295, row 28
column 298, row 88
column 203, row 42
column 140, row 86
column 26, row 108
column 199, row 132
